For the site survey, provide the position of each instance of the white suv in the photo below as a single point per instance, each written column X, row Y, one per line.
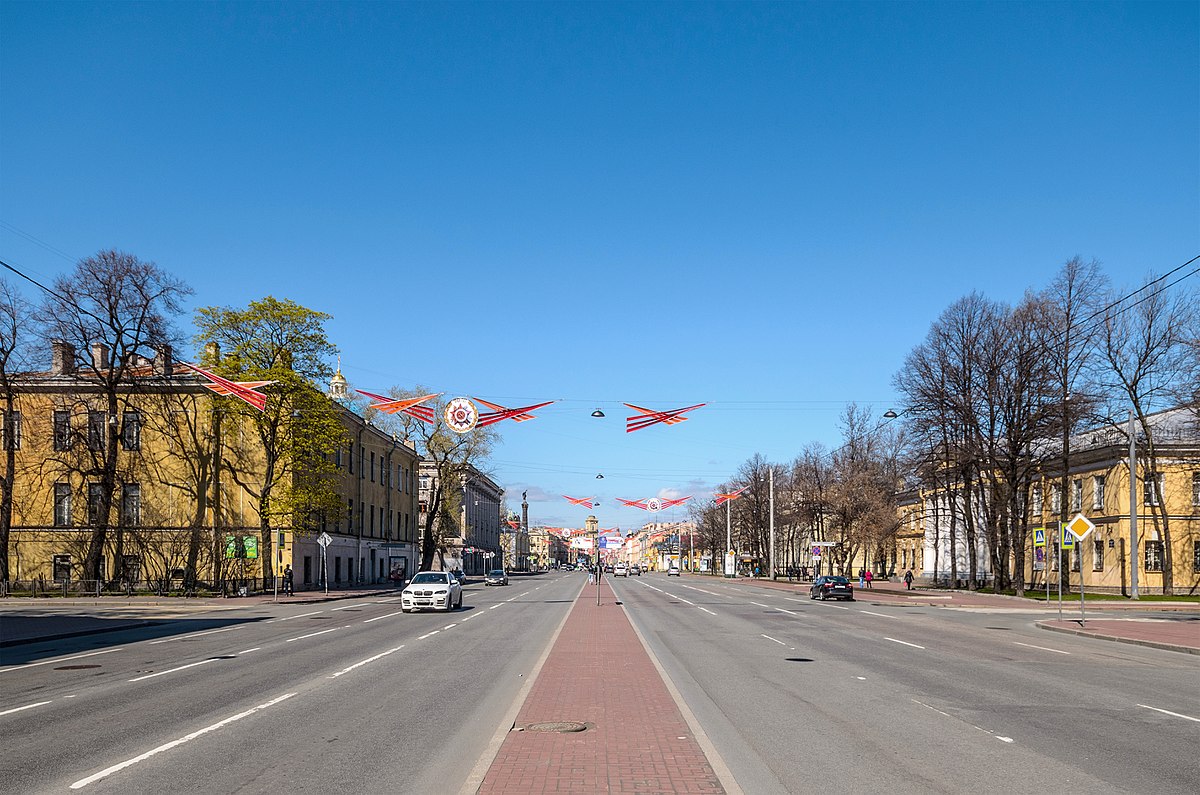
column 620, row 570
column 436, row 590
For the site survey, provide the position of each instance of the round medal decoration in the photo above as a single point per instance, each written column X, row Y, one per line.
column 654, row 505
column 461, row 415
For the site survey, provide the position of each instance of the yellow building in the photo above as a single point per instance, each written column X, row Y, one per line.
column 183, row 514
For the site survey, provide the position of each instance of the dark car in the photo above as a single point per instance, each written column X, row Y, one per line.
column 831, row 587
column 460, row 576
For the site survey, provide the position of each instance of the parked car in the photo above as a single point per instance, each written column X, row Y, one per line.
column 433, row 590
column 635, row 569
column 496, row 577
column 620, row 570
column 673, row 571
column 831, row 587
column 608, row 568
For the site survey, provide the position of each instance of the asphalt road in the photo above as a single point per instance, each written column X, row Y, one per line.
column 879, row 695
column 350, row 696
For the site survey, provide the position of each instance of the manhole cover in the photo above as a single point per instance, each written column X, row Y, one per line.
column 74, row 667
column 561, row 726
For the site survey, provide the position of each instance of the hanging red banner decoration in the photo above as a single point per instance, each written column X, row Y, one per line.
column 243, row 390
column 407, row 406
column 647, row 417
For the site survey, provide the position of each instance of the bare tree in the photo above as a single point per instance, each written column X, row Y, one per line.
column 113, row 310
column 16, row 320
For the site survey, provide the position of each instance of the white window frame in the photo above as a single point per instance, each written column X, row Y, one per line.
column 1098, row 486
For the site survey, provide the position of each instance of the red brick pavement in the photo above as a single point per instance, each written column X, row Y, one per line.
column 1182, row 634
column 637, row 740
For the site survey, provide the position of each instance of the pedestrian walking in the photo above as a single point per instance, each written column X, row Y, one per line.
column 287, row 580
column 862, row 578
column 869, row 577
column 908, row 578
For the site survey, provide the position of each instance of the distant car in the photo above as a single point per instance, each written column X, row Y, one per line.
column 496, row 577
column 608, row 568
column 673, row 571
column 635, row 569
column 620, row 570
column 433, row 590
column 460, row 576
column 831, row 587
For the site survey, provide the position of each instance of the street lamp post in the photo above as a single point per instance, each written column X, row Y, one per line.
column 771, row 499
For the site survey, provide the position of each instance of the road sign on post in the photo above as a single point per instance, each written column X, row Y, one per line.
column 1080, row 526
column 1039, row 537
column 325, row 540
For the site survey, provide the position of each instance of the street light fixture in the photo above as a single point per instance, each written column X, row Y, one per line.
column 597, row 413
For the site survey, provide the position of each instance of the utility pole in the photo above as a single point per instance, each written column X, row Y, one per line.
column 1133, row 533
column 771, row 498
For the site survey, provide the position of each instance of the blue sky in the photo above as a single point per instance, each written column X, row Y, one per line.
column 758, row 206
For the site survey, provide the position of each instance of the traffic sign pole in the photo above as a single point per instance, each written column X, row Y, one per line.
column 1081, row 527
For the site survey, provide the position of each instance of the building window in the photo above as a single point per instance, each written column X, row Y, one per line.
column 1055, row 499
column 350, row 517
column 337, row 456
column 1154, row 556
column 1098, row 493
column 372, row 466
column 12, row 431
column 1196, row 555
column 1151, row 488
column 1196, row 488
column 62, row 504
column 95, row 491
column 131, row 431
column 97, row 420
column 131, row 505
column 362, row 462
column 371, row 532
column 62, row 430
column 1077, row 495
column 1097, row 555
column 1037, row 500
column 133, row 568
column 350, row 459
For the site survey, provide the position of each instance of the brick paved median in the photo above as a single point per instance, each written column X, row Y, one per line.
column 636, row 740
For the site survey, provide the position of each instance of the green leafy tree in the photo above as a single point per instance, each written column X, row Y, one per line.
column 287, row 467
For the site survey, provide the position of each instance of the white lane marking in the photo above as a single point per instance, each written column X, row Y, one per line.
column 349, row 607
column 685, row 601
column 173, row 670
column 1168, row 712
column 789, row 612
column 493, row 607
column 59, row 660
column 1043, row 648
column 836, row 607
column 999, row 737
column 312, row 634
column 364, row 662
column 450, row 626
column 390, row 599
column 906, row 643
column 429, row 634
column 881, row 615
column 289, row 618
column 756, row 604
column 193, row 635
column 706, row 610
column 108, row 771
column 794, row 599
column 247, row 651
column 385, row 615
column 781, row 643
column 935, row 709
column 27, row 706
column 468, row 618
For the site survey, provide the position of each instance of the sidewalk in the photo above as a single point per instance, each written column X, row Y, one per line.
column 1180, row 632
column 26, row 620
column 599, row 717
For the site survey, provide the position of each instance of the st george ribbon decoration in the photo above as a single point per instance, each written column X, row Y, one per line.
column 586, row 502
column 647, row 417
column 654, row 504
column 462, row 415
column 409, row 406
column 733, row 495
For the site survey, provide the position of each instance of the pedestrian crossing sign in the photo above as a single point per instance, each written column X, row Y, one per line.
column 1039, row 537
column 1068, row 541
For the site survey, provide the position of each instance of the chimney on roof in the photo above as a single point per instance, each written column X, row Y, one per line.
column 62, row 357
column 163, row 364
column 99, row 356
column 212, row 354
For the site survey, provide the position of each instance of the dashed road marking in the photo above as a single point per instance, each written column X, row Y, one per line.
column 429, row 634
column 173, row 670
column 789, row 612
column 1169, row 712
column 385, row 615
column 247, row 651
column 881, row 615
column 1043, row 648
column 289, row 618
column 27, row 706
column 193, row 635
column 706, row 610
column 906, row 643
column 364, row 662
column 776, row 640
column 313, row 634
column 108, row 771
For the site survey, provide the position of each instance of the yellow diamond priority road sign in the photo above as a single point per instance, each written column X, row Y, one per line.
column 1080, row 526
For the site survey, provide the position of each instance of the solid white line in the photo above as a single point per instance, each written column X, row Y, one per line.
column 756, row 604
column 493, row 607
column 794, row 599
column 364, row 662
column 781, row 643
column 312, row 634
column 289, row 618
column 835, row 607
column 173, row 670
column 685, row 601
column 385, row 615
column 27, row 706
column 429, row 634
column 706, row 610
column 1168, row 712
column 58, row 660
column 1043, row 648
column 881, row 615
column 906, row 643
column 247, row 651
column 193, row 635
column 348, row 607
column 389, row 599
column 108, row 771
column 789, row 612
